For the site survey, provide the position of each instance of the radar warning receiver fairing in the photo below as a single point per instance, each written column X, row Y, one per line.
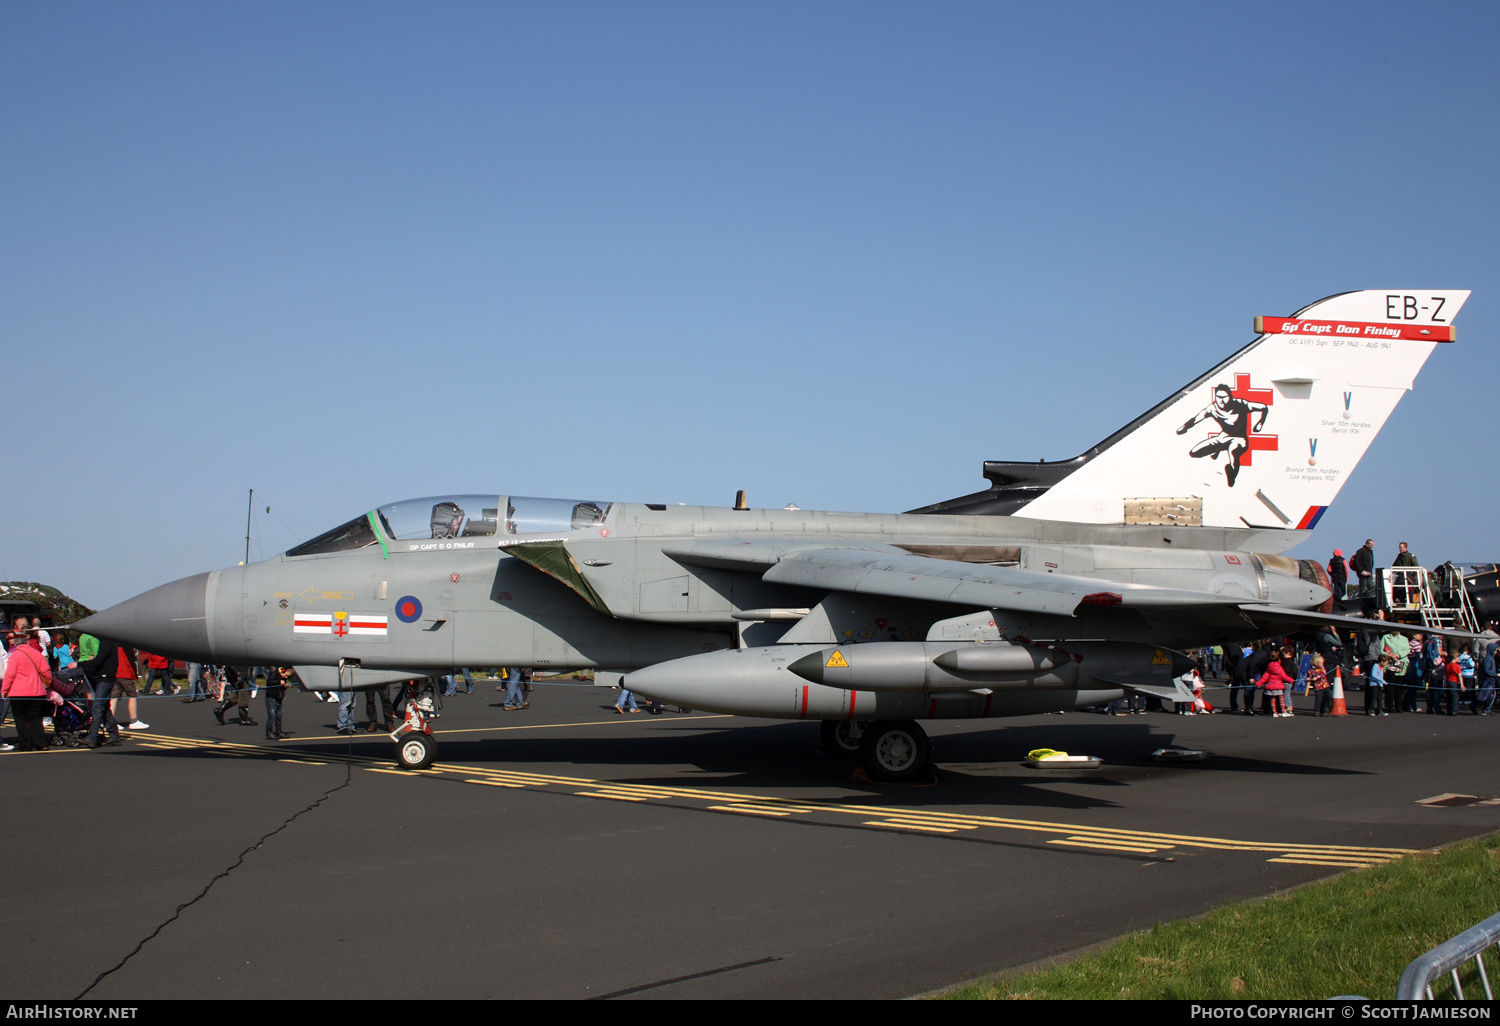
column 1061, row 585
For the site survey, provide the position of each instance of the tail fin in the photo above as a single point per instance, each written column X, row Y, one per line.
column 1265, row 439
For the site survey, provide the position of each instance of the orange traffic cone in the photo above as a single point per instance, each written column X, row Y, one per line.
column 1339, row 708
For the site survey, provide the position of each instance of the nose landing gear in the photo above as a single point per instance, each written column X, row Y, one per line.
column 416, row 752
column 415, row 748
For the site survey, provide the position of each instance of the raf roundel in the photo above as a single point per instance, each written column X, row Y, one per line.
column 408, row 609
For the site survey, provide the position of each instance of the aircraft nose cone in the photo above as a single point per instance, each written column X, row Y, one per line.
column 170, row 620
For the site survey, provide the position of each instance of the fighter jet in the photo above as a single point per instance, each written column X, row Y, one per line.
column 1063, row 584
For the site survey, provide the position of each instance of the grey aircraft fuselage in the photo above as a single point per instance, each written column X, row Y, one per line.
column 645, row 584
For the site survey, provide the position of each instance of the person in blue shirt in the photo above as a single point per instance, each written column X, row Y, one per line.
column 1375, row 688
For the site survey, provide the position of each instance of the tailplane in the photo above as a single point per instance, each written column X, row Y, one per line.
column 1265, row 440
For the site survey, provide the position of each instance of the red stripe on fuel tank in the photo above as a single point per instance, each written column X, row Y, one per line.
column 853, row 695
column 932, row 710
column 987, row 700
column 804, row 703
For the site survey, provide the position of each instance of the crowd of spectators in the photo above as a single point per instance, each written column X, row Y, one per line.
column 72, row 684
column 1396, row 669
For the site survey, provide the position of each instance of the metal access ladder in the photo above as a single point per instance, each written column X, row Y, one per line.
column 1408, row 590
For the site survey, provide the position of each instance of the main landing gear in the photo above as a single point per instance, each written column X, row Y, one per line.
column 841, row 737
column 891, row 751
column 415, row 748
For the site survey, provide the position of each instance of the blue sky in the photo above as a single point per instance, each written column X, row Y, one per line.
column 837, row 254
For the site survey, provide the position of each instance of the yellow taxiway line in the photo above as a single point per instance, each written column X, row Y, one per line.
column 382, row 735
column 1075, row 836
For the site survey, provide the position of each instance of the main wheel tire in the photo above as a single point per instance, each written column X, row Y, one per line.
column 895, row 751
column 415, row 752
column 841, row 738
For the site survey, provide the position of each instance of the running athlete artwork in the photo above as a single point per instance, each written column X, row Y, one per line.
column 1233, row 410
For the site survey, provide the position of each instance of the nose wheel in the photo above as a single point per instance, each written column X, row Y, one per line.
column 895, row 751
column 415, row 748
column 415, row 751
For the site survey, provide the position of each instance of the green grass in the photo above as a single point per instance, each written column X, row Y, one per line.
column 1350, row 935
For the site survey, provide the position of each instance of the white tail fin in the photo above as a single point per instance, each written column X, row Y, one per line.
column 1268, row 437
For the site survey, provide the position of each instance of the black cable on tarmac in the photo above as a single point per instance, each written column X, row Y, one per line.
column 348, row 779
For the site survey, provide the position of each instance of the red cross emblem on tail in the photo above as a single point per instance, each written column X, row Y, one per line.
column 1242, row 390
column 1238, row 414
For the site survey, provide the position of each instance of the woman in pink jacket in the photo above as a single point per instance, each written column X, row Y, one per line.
column 26, row 678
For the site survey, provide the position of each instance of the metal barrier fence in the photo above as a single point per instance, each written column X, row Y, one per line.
column 1417, row 979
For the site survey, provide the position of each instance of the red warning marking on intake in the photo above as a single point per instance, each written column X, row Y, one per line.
column 1355, row 329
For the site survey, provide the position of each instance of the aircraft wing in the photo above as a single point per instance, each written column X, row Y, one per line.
column 902, row 575
column 757, row 553
column 1280, row 617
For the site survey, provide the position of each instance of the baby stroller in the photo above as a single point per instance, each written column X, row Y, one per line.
column 71, row 719
column 70, row 724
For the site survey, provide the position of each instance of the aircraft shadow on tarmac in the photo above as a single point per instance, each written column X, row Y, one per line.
column 977, row 767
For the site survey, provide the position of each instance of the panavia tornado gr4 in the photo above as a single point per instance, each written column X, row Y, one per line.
column 1062, row 584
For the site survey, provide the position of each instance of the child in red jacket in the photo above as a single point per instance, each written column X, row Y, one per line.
column 1276, row 681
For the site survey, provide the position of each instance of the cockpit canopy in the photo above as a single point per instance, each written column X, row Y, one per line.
column 447, row 516
column 552, row 516
column 458, row 516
